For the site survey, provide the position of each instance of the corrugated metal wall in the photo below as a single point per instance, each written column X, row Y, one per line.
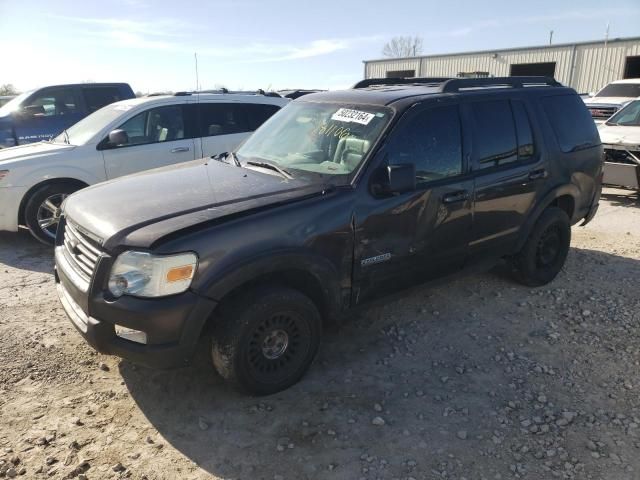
column 594, row 64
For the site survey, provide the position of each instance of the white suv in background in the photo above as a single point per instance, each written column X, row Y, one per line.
column 122, row 138
column 612, row 98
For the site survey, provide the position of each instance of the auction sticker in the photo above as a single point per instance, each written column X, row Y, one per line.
column 348, row 115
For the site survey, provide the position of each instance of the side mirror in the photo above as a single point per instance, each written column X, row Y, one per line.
column 395, row 179
column 118, row 137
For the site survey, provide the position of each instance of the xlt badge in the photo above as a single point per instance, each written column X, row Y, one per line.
column 377, row 259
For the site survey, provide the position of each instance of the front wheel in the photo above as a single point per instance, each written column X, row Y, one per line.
column 545, row 251
column 264, row 341
column 42, row 212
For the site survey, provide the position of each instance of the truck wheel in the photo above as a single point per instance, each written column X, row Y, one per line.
column 263, row 342
column 543, row 255
column 42, row 212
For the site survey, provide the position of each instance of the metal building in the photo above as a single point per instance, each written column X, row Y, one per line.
column 585, row 66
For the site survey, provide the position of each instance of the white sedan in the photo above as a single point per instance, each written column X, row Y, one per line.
column 122, row 138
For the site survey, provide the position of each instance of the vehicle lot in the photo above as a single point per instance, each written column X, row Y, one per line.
column 475, row 378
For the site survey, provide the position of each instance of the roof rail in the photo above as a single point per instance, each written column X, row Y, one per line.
column 370, row 82
column 242, row 92
column 457, row 84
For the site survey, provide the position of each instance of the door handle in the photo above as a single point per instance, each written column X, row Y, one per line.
column 538, row 174
column 179, row 149
column 454, row 197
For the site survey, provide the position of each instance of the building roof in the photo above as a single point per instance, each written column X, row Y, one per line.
column 511, row 49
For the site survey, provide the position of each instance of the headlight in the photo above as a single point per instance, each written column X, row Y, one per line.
column 145, row 275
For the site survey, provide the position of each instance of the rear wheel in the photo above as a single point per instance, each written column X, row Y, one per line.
column 545, row 251
column 265, row 341
column 42, row 212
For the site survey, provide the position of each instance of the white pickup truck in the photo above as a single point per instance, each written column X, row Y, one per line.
column 612, row 98
column 122, row 138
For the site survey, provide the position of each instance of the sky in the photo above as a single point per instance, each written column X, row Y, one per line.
column 248, row 44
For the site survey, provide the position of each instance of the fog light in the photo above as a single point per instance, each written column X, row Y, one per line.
column 131, row 334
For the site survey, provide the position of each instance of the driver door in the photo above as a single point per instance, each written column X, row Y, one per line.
column 157, row 137
column 409, row 238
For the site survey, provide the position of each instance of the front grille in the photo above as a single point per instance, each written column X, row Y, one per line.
column 602, row 113
column 81, row 252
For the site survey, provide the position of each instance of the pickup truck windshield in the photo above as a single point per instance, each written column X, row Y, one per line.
column 321, row 138
column 83, row 131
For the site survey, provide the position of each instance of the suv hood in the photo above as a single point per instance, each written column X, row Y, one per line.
column 32, row 151
column 624, row 135
column 139, row 209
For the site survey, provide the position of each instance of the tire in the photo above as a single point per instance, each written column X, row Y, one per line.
column 545, row 251
column 264, row 341
column 42, row 211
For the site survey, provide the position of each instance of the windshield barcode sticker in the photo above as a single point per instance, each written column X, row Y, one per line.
column 348, row 115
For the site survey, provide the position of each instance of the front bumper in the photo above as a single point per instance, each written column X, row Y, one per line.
column 172, row 324
column 10, row 198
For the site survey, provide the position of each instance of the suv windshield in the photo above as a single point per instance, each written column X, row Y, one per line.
column 83, row 131
column 620, row 90
column 321, row 138
column 628, row 116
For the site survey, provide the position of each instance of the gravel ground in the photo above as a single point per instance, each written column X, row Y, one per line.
column 478, row 378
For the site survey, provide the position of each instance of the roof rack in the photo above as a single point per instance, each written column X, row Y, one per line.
column 374, row 82
column 242, row 92
column 457, row 84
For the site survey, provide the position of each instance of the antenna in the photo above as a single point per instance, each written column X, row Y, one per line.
column 606, row 35
column 195, row 55
column 550, row 37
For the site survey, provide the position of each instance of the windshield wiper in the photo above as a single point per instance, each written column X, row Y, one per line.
column 66, row 137
column 270, row 166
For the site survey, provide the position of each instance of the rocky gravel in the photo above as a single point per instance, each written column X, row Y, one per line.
column 475, row 378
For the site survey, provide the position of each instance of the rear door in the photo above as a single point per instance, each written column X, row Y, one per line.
column 410, row 238
column 96, row 97
column 46, row 113
column 158, row 136
column 508, row 171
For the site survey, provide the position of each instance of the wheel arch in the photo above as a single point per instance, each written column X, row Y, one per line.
column 43, row 183
column 312, row 275
column 563, row 197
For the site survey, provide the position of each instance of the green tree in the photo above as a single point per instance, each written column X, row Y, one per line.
column 8, row 89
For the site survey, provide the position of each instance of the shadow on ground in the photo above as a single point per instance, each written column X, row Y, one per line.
column 20, row 250
column 404, row 356
column 622, row 198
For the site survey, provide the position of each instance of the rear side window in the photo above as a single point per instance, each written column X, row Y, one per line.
column 259, row 113
column 98, row 97
column 494, row 133
column 223, row 119
column 574, row 128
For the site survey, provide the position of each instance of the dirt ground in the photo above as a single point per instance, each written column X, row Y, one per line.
column 478, row 378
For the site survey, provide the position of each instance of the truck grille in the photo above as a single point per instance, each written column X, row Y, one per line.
column 81, row 253
column 602, row 113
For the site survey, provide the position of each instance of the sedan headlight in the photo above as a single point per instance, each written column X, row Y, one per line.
column 145, row 275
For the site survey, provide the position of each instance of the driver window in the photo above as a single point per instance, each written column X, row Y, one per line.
column 163, row 124
column 50, row 103
column 432, row 140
